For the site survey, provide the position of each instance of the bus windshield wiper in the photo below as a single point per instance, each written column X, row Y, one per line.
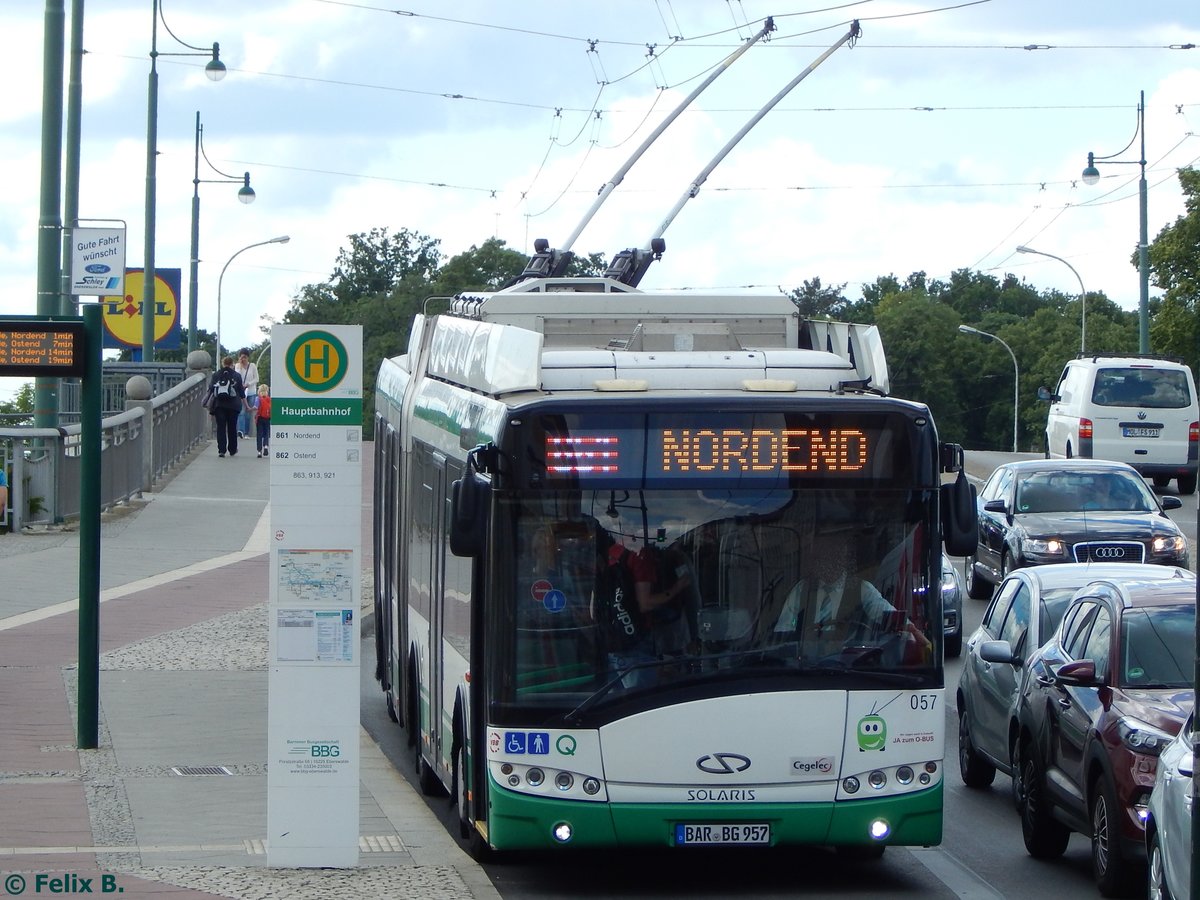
column 601, row 692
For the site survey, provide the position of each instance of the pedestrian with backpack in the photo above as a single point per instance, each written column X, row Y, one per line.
column 228, row 397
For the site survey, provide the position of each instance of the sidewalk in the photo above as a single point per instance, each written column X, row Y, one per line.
column 173, row 802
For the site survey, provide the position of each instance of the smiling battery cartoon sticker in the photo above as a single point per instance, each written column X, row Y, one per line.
column 872, row 733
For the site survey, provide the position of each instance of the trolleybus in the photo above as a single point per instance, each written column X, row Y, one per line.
column 544, row 448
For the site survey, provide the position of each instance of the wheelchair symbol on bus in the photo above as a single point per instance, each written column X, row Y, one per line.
column 533, row 742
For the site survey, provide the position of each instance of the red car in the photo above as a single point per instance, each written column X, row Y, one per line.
column 1104, row 696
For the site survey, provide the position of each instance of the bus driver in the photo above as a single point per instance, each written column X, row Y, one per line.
column 832, row 607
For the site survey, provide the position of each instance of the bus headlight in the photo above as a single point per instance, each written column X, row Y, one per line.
column 564, row 781
column 877, row 779
column 880, row 829
column 562, row 832
column 535, row 777
column 850, row 785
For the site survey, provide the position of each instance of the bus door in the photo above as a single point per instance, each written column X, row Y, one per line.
column 439, row 517
column 395, row 606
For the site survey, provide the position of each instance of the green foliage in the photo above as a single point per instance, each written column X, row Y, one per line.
column 19, row 410
column 1174, row 257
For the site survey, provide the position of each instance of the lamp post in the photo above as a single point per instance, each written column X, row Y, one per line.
column 245, row 195
column 1082, row 294
column 282, row 239
column 215, row 70
column 967, row 329
column 1091, row 175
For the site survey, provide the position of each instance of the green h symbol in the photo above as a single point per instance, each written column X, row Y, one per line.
column 324, row 360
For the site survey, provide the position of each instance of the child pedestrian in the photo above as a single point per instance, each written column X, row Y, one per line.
column 263, row 420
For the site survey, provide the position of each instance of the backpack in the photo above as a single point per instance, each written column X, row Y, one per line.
column 616, row 602
column 226, row 384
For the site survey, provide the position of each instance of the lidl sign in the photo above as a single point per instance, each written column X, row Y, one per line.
column 123, row 315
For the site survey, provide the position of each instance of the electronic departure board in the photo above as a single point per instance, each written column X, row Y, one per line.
column 42, row 348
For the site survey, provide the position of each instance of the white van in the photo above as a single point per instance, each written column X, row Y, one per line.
column 1135, row 409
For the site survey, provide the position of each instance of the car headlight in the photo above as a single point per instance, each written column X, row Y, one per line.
column 1142, row 738
column 1044, row 546
column 1169, row 544
column 949, row 583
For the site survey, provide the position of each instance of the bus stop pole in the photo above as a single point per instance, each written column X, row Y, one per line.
column 88, row 701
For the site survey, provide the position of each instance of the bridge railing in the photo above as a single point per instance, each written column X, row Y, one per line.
column 138, row 447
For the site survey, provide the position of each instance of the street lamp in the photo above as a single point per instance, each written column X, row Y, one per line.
column 282, row 239
column 1091, row 175
column 245, row 195
column 215, row 70
column 967, row 329
column 1082, row 294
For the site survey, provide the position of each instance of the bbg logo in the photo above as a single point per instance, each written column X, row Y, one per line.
column 317, row 361
column 326, row 750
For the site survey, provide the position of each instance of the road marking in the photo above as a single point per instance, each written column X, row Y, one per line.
column 256, row 545
column 954, row 874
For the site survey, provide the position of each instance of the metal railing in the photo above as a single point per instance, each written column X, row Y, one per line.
column 138, row 447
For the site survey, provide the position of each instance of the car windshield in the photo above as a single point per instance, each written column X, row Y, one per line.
column 1158, row 647
column 1046, row 492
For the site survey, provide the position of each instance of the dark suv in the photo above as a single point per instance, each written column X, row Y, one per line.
column 1104, row 696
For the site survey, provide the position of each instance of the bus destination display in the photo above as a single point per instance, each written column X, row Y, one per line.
column 54, row 349
column 723, row 451
column 673, row 449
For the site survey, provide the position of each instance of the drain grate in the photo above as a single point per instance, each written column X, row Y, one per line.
column 200, row 770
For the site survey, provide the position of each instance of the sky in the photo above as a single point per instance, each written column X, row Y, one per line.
column 946, row 136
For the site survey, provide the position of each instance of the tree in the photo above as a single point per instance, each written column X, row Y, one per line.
column 815, row 301
column 485, row 268
column 19, row 410
column 1174, row 258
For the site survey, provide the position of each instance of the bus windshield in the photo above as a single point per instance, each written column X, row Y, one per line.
column 614, row 592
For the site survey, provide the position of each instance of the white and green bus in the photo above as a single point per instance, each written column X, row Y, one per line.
column 544, row 448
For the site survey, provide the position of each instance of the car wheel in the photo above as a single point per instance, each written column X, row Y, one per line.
column 391, row 706
column 1045, row 837
column 977, row 588
column 1069, row 454
column 1161, row 481
column 1006, row 565
column 976, row 771
column 1157, row 871
column 1114, row 874
column 1187, row 484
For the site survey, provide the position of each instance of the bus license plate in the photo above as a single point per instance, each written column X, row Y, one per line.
column 1128, row 431
column 738, row 833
